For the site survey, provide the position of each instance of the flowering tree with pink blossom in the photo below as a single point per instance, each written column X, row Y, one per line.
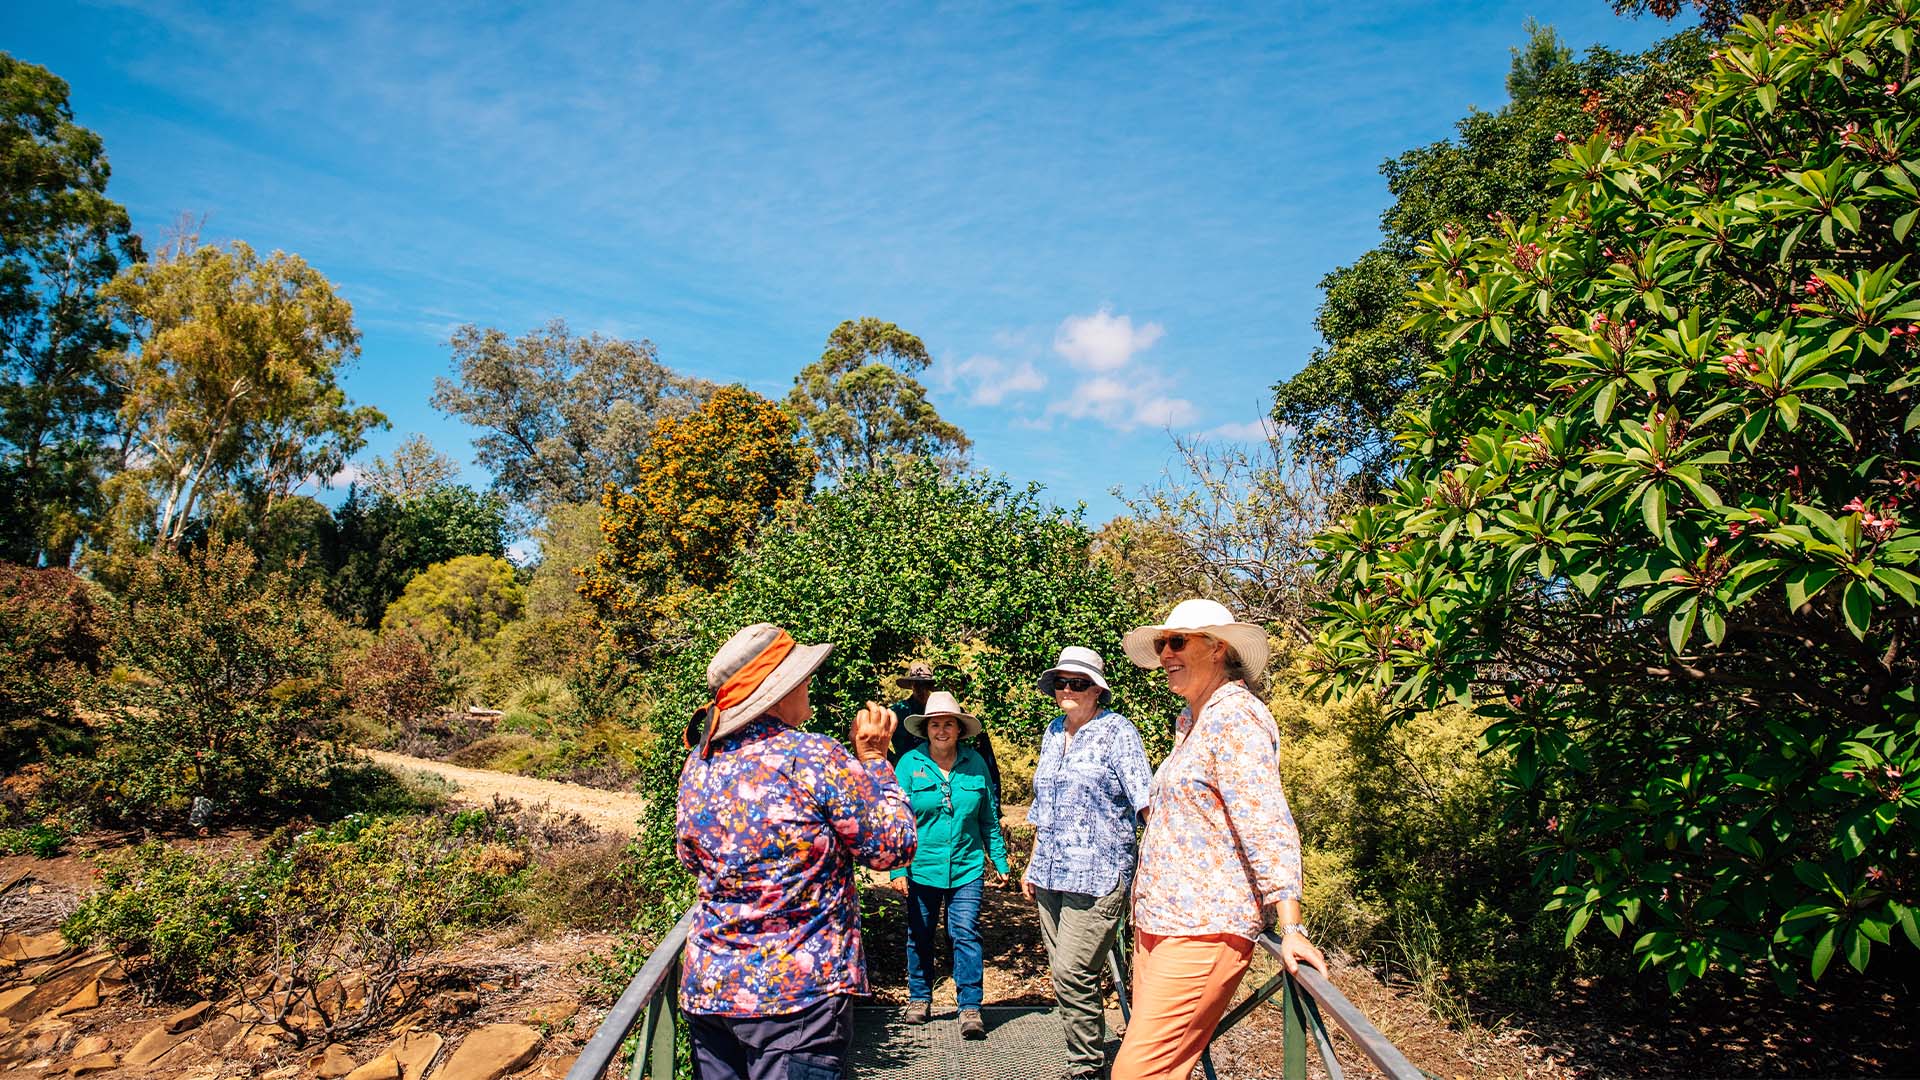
column 1657, row 519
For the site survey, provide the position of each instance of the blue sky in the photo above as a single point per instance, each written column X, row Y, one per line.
column 1106, row 221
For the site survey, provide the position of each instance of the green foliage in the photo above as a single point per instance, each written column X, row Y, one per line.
column 983, row 580
column 51, row 640
column 380, row 543
column 1650, row 524
column 1718, row 16
column 861, row 405
column 232, row 399
column 61, row 240
column 40, row 840
column 456, row 609
column 564, row 416
column 705, row 483
column 226, row 697
column 365, row 898
column 1344, row 404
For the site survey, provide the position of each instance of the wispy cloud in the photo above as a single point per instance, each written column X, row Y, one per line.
column 1103, row 341
column 1259, row 430
column 1126, row 403
column 989, row 380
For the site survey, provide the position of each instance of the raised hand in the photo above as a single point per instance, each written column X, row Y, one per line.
column 873, row 731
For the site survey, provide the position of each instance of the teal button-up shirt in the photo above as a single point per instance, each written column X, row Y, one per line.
column 957, row 816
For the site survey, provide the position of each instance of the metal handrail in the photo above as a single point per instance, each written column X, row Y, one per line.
column 641, row 998
column 1303, row 995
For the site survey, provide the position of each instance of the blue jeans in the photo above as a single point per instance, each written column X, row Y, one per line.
column 962, row 904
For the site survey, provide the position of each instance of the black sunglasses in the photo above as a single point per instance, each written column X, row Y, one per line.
column 1074, row 684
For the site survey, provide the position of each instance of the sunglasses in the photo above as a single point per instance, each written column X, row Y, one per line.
column 1172, row 642
column 1074, row 684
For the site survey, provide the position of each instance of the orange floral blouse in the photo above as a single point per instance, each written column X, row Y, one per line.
column 1221, row 845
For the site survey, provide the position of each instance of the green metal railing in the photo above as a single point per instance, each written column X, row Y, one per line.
column 1303, row 997
column 650, row 1003
column 642, row 1003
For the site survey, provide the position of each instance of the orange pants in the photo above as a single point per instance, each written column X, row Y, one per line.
column 1181, row 988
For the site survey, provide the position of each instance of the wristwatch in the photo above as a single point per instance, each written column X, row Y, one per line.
column 1295, row 928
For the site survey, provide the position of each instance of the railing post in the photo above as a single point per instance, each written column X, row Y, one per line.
column 1293, row 1048
column 657, row 1052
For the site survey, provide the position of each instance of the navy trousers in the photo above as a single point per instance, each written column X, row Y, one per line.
column 810, row 1044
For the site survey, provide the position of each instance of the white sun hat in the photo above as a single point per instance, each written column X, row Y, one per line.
column 1078, row 660
column 941, row 703
column 1207, row 617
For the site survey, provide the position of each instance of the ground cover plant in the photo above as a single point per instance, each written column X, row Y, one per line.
column 1651, row 520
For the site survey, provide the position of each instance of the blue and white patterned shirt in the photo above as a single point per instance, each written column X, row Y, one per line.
column 1087, row 795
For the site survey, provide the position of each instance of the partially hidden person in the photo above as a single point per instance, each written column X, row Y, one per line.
column 958, row 822
column 918, row 682
column 1090, row 792
column 772, row 821
column 1220, row 858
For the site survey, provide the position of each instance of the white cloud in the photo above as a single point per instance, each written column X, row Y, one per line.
column 1128, row 402
column 990, row 380
column 1259, row 430
column 1103, row 341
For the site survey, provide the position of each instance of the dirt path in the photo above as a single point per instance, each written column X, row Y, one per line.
column 614, row 811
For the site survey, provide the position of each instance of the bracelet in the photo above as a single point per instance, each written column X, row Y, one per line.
column 1295, row 928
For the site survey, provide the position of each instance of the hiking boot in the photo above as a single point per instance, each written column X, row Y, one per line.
column 971, row 1026
column 919, row 1012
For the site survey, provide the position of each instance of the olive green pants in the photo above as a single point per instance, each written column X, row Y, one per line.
column 1079, row 931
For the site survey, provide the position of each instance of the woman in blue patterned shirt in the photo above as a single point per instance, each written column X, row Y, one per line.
column 1089, row 796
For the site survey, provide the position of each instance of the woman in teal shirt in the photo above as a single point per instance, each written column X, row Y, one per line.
column 959, row 831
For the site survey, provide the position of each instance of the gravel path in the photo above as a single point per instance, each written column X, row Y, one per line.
column 615, row 811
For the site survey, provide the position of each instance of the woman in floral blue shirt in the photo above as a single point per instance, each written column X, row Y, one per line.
column 772, row 821
column 1089, row 795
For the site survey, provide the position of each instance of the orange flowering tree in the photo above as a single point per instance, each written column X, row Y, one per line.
column 706, row 481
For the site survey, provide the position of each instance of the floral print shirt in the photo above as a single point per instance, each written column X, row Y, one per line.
column 1088, row 792
column 772, row 825
column 1221, row 845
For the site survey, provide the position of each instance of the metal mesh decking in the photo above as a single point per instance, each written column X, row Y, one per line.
column 1022, row 1043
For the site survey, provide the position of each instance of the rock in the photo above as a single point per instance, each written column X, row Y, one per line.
column 56, row 989
column 87, row 997
column 553, row 1013
column 456, row 1003
column 336, row 1062
column 91, row 1045
column 383, row 1067
column 41, row 946
column 491, row 1053
column 14, row 996
column 92, row 1063
column 216, row 1033
column 188, row 1018
column 153, row 1044
column 415, row 1053
column 284, row 1072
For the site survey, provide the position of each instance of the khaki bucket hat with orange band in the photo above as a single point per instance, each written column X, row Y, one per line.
column 759, row 665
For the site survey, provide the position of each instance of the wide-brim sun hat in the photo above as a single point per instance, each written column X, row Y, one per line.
column 759, row 665
column 1078, row 660
column 941, row 703
column 1207, row 617
column 918, row 673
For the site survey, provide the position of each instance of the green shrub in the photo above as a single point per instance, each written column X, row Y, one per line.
column 1650, row 525
column 51, row 641
column 365, row 898
column 226, row 695
column 39, row 840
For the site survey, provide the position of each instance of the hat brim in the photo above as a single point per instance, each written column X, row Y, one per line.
column 1248, row 641
column 799, row 665
column 1086, row 671
column 916, row 724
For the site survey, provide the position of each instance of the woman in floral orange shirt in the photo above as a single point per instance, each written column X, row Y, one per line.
column 1220, row 861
